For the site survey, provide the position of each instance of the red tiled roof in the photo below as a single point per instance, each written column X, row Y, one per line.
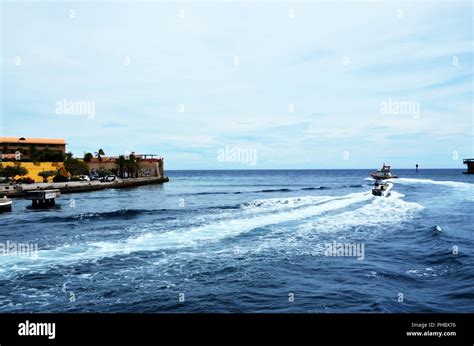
column 32, row 140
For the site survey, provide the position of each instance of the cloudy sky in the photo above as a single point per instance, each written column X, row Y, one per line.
column 303, row 85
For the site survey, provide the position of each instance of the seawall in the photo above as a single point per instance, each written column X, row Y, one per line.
column 80, row 186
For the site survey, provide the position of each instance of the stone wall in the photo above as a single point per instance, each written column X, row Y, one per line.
column 148, row 167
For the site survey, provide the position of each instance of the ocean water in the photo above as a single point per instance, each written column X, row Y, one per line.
column 248, row 241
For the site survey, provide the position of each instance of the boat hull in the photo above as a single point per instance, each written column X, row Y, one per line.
column 382, row 190
column 382, row 177
column 380, row 193
column 5, row 205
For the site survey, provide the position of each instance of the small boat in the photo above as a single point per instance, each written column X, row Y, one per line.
column 5, row 204
column 382, row 189
column 383, row 173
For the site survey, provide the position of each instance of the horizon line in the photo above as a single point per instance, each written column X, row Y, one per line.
column 299, row 169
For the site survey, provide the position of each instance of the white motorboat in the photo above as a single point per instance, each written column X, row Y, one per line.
column 5, row 204
column 382, row 189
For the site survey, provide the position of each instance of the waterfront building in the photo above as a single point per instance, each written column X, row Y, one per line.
column 149, row 165
column 11, row 146
column 21, row 152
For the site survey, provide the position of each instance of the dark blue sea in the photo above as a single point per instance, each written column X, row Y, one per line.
column 248, row 241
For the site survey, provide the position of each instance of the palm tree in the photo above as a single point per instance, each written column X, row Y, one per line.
column 131, row 165
column 121, row 162
column 134, row 165
column 99, row 154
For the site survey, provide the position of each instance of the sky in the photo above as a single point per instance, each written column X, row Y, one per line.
column 294, row 85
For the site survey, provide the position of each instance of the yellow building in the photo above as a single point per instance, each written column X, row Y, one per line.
column 36, row 167
column 13, row 149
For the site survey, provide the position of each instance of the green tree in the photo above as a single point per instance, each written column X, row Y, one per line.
column 106, row 172
column 76, row 167
column 58, row 178
column 46, row 174
column 47, row 155
column 33, row 153
column 121, row 162
column 132, row 166
column 13, row 171
column 88, row 157
column 99, row 153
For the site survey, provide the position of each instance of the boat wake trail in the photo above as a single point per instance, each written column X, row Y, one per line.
column 366, row 221
column 381, row 211
column 454, row 184
column 331, row 212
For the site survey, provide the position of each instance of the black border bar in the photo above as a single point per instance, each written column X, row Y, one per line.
column 329, row 329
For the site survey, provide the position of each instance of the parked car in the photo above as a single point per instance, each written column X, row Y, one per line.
column 84, row 178
column 95, row 177
column 110, row 178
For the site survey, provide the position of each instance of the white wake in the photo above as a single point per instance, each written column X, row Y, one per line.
column 454, row 184
column 152, row 240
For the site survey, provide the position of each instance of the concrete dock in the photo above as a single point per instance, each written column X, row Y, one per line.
column 77, row 186
column 43, row 198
